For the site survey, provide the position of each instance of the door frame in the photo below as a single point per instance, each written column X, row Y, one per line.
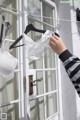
column 24, row 23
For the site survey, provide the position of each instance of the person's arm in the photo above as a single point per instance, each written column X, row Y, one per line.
column 70, row 62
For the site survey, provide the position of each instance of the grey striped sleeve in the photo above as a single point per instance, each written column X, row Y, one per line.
column 72, row 66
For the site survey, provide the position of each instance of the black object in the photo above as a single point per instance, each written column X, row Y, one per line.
column 78, row 14
column 29, row 28
column 7, row 26
column 57, row 34
column 2, row 28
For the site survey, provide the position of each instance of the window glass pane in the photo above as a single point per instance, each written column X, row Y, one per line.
column 9, row 17
column 49, row 56
column 12, row 112
column 40, row 84
column 12, row 33
column 34, row 7
column 12, row 19
column 48, row 12
column 37, row 109
column 51, row 104
column 47, row 77
column 50, row 81
column 9, row 3
column 35, row 64
column 8, row 89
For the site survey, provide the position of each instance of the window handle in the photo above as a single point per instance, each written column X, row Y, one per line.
column 31, row 84
column 38, row 80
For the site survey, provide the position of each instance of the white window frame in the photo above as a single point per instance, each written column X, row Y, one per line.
column 20, row 59
column 59, row 68
column 49, row 2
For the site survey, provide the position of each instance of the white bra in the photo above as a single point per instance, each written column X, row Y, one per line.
column 34, row 50
column 8, row 65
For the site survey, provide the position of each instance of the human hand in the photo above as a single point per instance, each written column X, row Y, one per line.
column 57, row 44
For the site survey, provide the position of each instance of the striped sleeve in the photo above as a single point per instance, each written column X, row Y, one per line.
column 72, row 66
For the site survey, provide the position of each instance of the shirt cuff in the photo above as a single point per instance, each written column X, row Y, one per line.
column 65, row 55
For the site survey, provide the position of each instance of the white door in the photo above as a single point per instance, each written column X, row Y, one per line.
column 43, row 101
column 9, row 92
column 12, row 90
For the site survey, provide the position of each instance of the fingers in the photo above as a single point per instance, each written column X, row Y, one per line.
column 57, row 44
column 54, row 39
column 51, row 44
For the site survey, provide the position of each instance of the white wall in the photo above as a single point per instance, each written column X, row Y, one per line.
column 68, row 91
column 76, row 45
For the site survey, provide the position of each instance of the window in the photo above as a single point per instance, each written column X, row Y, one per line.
column 44, row 105
column 9, row 88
